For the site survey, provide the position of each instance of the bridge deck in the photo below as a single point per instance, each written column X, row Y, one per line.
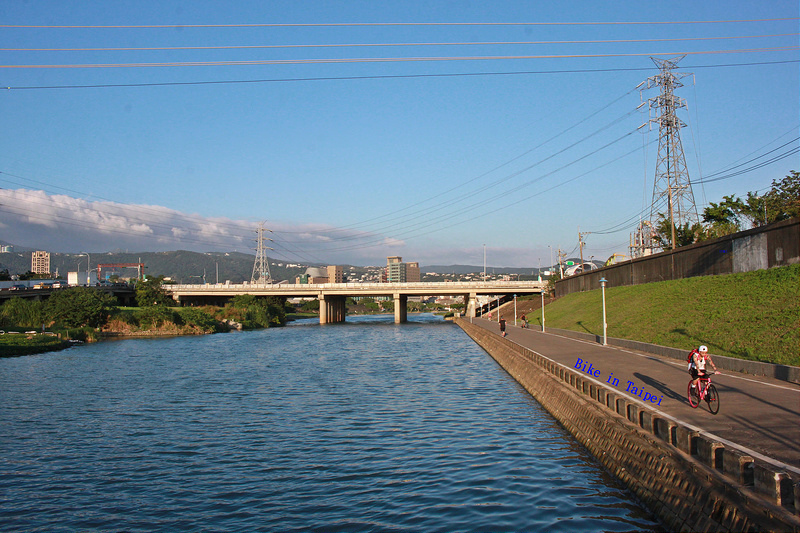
column 361, row 289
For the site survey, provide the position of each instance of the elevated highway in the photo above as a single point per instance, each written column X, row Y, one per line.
column 332, row 296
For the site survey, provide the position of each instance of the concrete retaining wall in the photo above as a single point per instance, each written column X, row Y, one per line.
column 691, row 481
column 764, row 247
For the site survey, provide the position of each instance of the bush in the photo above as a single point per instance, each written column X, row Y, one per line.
column 193, row 316
column 154, row 316
column 254, row 312
column 149, row 292
column 23, row 313
column 76, row 307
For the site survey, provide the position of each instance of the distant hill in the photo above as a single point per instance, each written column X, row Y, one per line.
column 190, row 267
column 181, row 265
column 470, row 269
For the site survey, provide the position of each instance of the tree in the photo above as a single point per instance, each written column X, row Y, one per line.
column 722, row 218
column 254, row 312
column 684, row 234
column 79, row 306
column 32, row 275
column 733, row 214
column 783, row 199
column 149, row 292
column 310, row 306
column 4, row 275
column 551, row 281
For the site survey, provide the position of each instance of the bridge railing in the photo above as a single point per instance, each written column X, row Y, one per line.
column 354, row 285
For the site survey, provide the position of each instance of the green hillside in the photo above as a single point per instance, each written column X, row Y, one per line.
column 754, row 315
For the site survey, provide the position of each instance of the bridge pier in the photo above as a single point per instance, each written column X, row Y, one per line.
column 469, row 305
column 332, row 309
column 400, row 308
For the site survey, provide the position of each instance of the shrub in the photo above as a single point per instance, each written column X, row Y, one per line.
column 254, row 312
column 154, row 316
column 24, row 313
column 76, row 307
column 193, row 316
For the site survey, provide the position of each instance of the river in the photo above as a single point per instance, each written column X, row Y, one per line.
column 361, row 426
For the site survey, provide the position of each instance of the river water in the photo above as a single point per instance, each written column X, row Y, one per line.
column 361, row 426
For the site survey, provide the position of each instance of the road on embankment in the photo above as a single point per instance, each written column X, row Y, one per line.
column 759, row 414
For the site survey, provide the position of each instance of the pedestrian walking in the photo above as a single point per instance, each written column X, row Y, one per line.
column 503, row 327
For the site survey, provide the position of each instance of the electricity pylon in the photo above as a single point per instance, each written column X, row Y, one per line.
column 671, row 177
column 261, row 274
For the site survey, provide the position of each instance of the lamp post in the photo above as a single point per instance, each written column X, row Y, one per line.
column 88, row 268
column 603, row 282
column 515, row 309
column 484, row 262
column 542, row 293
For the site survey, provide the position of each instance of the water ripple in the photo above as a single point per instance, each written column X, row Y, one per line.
column 363, row 426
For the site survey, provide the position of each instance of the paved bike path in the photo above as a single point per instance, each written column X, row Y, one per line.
column 758, row 413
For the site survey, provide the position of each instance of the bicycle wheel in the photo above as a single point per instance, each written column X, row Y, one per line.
column 712, row 399
column 694, row 395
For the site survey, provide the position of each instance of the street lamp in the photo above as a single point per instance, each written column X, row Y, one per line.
column 484, row 262
column 88, row 268
column 603, row 282
column 515, row 309
column 542, row 293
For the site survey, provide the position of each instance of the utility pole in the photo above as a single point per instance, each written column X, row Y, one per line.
column 671, row 176
column 581, row 243
column 261, row 272
column 484, row 262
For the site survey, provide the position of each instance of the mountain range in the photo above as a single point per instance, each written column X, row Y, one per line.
column 193, row 267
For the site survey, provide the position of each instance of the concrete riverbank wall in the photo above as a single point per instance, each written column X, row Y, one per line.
column 689, row 480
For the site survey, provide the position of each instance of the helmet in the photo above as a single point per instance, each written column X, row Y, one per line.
column 702, row 349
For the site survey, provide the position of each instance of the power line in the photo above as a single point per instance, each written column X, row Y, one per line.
column 380, row 77
column 380, row 24
column 728, row 169
column 326, row 61
column 376, row 45
column 768, row 162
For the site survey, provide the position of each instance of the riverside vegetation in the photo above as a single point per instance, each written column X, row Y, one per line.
column 84, row 314
column 753, row 315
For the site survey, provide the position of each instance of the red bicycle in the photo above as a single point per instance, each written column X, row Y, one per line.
column 705, row 390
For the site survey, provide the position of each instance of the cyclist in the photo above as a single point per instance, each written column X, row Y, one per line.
column 697, row 364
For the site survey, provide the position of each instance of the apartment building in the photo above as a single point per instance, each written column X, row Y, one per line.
column 40, row 262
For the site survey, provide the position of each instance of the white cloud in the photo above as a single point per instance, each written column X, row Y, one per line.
column 61, row 223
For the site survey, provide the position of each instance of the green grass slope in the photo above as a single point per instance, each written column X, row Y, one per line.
column 755, row 315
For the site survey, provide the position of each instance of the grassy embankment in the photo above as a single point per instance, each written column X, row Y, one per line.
column 22, row 344
column 753, row 316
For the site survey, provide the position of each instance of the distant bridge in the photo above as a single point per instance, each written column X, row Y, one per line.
column 332, row 296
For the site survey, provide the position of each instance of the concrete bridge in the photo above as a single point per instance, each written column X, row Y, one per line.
column 332, row 296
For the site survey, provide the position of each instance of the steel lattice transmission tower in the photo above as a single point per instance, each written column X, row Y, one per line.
column 671, row 177
column 261, row 274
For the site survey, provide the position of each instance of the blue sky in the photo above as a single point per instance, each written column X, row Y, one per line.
column 417, row 138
